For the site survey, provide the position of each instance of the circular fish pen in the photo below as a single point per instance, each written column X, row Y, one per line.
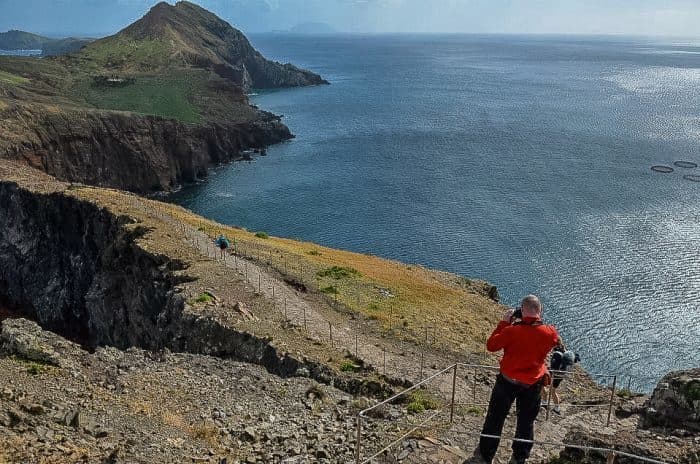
column 685, row 164
column 662, row 169
column 692, row 177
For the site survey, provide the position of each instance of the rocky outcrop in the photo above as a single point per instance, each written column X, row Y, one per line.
column 130, row 152
column 26, row 340
column 675, row 402
column 75, row 268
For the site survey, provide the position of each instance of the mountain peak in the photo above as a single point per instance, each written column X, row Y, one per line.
column 188, row 35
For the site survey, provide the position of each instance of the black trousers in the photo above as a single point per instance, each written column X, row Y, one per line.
column 527, row 404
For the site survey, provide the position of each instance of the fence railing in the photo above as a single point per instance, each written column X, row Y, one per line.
column 457, row 391
column 451, row 389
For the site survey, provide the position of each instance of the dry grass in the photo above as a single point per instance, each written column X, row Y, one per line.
column 392, row 293
column 142, row 407
column 174, row 420
column 205, row 432
column 388, row 291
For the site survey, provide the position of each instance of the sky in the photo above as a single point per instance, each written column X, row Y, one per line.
column 629, row 17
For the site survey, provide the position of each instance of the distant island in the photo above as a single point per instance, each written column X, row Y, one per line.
column 146, row 109
column 312, row 28
column 14, row 40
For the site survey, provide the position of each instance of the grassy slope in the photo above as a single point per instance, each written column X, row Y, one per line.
column 462, row 316
column 161, row 87
column 10, row 78
column 169, row 96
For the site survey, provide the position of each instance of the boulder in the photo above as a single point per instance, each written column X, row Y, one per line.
column 675, row 402
column 26, row 340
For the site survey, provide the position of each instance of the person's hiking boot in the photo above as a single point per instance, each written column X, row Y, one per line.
column 556, row 410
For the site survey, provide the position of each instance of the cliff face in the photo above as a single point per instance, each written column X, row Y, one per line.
column 130, row 152
column 74, row 268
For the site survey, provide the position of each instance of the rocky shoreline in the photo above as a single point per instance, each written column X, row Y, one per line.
column 137, row 153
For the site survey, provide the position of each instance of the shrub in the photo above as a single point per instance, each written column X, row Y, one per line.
column 349, row 366
column 35, row 368
column 338, row 272
column 203, row 298
column 205, row 432
column 314, row 253
column 625, row 393
column 261, row 235
column 330, row 290
column 421, row 400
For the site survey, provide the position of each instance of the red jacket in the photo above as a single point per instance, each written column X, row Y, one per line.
column 525, row 348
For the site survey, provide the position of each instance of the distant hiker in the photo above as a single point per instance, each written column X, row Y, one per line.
column 526, row 341
column 562, row 361
column 223, row 243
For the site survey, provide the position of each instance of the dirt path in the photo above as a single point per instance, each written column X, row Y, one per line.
column 396, row 358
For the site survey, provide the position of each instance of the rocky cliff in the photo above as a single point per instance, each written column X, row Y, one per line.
column 75, row 269
column 127, row 151
column 146, row 109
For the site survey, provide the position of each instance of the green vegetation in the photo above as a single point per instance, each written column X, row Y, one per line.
column 126, row 54
column 203, row 298
column 330, row 290
column 168, row 96
column 33, row 367
column 313, row 253
column 420, row 401
column 12, row 78
column 475, row 411
column 261, row 235
column 625, row 393
column 349, row 366
column 338, row 272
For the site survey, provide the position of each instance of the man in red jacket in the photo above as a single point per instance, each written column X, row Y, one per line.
column 525, row 342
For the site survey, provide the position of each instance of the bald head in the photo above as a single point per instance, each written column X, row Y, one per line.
column 531, row 306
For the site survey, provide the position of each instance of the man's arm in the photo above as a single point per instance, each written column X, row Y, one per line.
column 497, row 340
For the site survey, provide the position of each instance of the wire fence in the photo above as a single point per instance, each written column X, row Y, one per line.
column 448, row 414
column 463, row 391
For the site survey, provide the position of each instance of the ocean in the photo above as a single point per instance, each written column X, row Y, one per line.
column 522, row 160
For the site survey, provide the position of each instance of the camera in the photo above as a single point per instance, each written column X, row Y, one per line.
column 517, row 315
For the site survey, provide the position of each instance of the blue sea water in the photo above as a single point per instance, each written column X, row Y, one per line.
column 21, row 52
column 524, row 161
